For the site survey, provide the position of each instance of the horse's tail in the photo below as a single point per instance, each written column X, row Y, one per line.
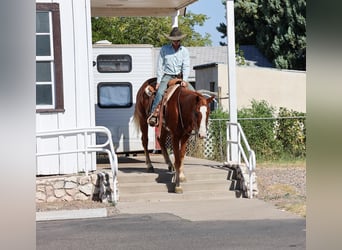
column 135, row 120
column 143, row 103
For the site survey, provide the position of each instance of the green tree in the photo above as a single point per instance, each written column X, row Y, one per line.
column 276, row 27
column 147, row 30
column 245, row 12
column 282, row 34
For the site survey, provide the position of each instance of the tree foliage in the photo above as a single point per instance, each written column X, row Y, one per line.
column 276, row 27
column 147, row 30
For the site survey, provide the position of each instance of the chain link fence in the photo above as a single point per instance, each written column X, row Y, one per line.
column 287, row 135
column 213, row 147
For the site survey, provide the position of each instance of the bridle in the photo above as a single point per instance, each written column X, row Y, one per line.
column 181, row 118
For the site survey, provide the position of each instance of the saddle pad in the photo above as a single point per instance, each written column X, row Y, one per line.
column 168, row 93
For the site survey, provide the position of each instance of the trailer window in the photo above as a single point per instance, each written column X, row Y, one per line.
column 114, row 95
column 114, row 63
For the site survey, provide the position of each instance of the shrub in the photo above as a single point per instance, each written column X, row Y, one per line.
column 218, row 134
column 292, row 133
column 272, row 138
column 260, row 132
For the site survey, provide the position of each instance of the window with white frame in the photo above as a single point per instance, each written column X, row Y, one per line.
column 49, row 85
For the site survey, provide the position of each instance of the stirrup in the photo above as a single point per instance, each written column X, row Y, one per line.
column 152, row 120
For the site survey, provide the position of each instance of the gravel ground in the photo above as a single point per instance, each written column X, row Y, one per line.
column 282, row 185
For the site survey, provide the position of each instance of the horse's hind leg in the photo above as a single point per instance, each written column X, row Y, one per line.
column 144, row 139
column 162, row 143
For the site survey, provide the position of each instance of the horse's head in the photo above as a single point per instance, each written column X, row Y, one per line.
column 203, row 111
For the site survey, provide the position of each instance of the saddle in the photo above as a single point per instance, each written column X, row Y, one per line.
column 173, row 84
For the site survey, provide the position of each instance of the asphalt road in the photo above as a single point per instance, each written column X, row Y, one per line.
column 166, row 231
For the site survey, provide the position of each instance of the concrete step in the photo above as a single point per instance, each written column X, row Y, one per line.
column 167, row 176
column 186, row 195
column 127, row 188
column 206, row 180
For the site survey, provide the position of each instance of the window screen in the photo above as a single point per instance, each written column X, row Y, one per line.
column 114, row 95
column 114, row 63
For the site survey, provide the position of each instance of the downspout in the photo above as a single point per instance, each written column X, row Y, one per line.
column 175, row 19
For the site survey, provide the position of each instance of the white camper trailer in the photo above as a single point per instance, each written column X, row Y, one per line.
column 119, row 71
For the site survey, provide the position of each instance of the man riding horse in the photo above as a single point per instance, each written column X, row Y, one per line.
column 173, row 62
column 186, row 110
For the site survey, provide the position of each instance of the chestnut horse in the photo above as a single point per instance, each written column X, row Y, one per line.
column 186, row 111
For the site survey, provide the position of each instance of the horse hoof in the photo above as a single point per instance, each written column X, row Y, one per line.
column 182, row 179
column 178, row 190
column 150, row 170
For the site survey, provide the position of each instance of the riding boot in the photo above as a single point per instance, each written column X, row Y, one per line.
column 152, row 120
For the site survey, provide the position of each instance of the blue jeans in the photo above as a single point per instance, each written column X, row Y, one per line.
column 162, row 87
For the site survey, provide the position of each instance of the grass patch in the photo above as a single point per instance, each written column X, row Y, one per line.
column 298, row 207
column 281, row 190
column 294, row 163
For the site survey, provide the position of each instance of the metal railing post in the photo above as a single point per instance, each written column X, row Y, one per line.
column 87, row 147
column 250, row 160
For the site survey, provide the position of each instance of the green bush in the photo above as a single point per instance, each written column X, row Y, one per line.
column 218, row 134
column 291, row 133
column 271, row 137
column 260, row 132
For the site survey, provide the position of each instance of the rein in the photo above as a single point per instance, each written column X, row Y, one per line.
column 180, row 114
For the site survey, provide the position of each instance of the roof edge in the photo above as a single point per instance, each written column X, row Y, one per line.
column 207, row 65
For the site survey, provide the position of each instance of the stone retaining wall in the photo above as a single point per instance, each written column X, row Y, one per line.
column 67, row 188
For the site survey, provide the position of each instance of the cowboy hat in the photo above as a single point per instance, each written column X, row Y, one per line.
column 175, row 34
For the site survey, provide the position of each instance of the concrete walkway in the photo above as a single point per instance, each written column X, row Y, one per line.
column 197, row 210
column 229, row 208
column 200, row 210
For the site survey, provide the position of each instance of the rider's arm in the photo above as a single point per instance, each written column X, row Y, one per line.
column 160, row 71
column 186, row 64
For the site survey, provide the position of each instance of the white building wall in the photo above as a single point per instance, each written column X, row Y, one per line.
column 77, row 92
column 280, row 88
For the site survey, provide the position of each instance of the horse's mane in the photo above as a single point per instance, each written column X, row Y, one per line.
column 193, row 93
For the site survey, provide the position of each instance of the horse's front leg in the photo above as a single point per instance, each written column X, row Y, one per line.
column 144, row 139
column 182, row 151
column 162, row 143
column 179, row 175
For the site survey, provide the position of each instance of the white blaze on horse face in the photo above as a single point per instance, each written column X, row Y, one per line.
column 203, row 130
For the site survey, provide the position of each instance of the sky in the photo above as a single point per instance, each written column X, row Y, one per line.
column 215, row 10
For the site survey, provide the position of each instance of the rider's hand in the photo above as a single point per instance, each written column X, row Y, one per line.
column 157, row 85
column 184, row 84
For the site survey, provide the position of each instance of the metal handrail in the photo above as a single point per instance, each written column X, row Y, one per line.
column 113, row 160
column 250, row 161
